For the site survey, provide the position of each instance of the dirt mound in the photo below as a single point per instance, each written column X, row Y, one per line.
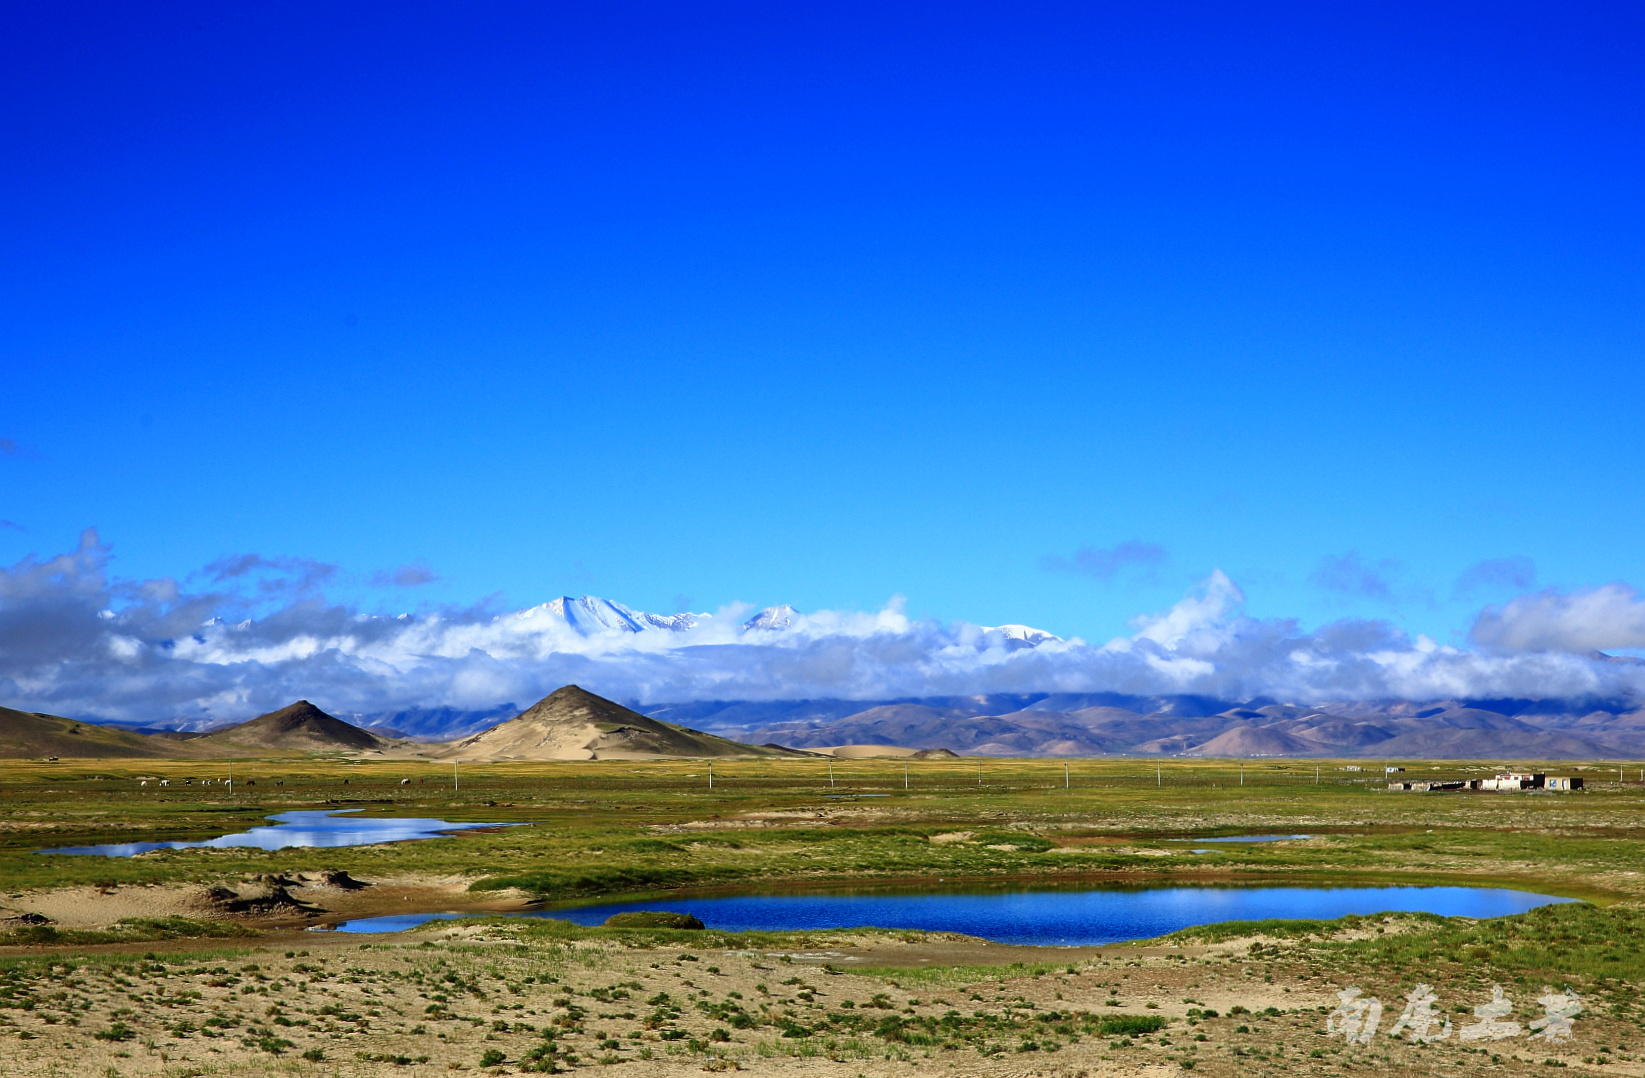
column 262, row 896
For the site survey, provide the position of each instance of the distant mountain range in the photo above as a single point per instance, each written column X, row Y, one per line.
column 1089, row 724
column 573, row 724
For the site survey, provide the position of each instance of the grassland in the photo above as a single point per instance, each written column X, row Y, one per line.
column 609, row 828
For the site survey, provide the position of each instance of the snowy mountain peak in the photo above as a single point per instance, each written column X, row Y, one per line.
column 1024, row 634
column 590, row 615
column 773, row 619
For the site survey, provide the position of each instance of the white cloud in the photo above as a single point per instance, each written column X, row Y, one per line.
column 1605, row 618
column 74, row 640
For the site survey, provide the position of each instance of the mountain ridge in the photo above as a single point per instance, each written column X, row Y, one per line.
column 1055, row 725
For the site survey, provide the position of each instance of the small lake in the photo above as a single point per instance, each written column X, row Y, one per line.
column 1038, row 917
column 301, row 829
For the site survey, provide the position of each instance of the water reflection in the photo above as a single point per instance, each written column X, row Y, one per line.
column 306, row 828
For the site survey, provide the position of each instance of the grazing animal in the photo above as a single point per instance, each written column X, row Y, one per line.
column 405, row 782
column 165, row 782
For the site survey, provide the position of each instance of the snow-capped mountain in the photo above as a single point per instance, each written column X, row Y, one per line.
column 1024, row 634
column 589, row 615
column 773, row 619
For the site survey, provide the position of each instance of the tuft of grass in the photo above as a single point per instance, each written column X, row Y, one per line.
column 654, row 919
column 1023, row 841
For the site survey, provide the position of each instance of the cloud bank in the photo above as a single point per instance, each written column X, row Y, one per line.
column 250, row 634
column 1592, row 619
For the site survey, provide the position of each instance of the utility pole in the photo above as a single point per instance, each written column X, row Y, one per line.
column 1065, row 783
column 1159, row 774
column 1316, row 774
column 1242, row 772
column 711, row 774
column 905, row 776
column 453, row 776
column 830, row 774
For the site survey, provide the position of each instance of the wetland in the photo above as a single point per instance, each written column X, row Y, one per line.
column 197, row 959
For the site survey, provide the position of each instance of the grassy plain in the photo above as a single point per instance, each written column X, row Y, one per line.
column 609, row 828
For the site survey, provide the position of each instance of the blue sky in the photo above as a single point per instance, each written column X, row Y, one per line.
column 1030, row 313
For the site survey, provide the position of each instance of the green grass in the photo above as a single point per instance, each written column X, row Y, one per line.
column 1579, row 942
column 1129, row 1025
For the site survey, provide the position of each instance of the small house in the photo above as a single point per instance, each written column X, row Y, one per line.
column 1562, row 782
column 1514, row 780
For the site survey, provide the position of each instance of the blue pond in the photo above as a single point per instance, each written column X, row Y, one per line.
column 301, row 829
column 1044, row 917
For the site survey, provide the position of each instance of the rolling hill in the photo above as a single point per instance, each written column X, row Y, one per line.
column 32, row 735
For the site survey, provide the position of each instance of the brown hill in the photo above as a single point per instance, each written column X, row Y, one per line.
column 1258, row 741
column 32, row 734
column 572, row 723
column 301, row 727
